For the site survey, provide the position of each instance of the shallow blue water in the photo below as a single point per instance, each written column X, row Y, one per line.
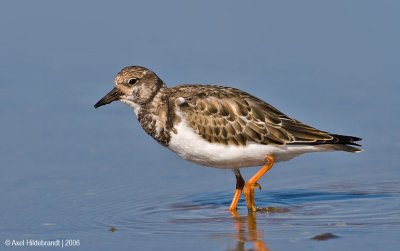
column 69, row 172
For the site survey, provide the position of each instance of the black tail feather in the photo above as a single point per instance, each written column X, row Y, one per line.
column 337, row 143
column 343, row 139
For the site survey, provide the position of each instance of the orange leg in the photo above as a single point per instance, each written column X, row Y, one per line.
column 238, row 192
column 252, row 183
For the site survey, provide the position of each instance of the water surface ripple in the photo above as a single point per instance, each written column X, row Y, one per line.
column 206, row 213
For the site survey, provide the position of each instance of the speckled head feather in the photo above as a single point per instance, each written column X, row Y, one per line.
column 138, row 84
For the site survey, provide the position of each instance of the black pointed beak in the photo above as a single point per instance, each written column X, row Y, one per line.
column 113, row 95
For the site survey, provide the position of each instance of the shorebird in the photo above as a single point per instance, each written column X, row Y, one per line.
column 219, row 126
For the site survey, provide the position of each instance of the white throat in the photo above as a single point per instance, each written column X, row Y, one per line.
column 136, row 107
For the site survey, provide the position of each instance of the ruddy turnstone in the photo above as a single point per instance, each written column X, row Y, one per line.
column 219, row 126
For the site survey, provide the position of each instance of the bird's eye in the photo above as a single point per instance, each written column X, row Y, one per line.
column 132, row 81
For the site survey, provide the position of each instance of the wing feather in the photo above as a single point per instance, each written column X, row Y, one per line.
column 229, row 116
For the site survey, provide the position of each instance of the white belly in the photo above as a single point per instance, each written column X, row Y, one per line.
column 191, row 146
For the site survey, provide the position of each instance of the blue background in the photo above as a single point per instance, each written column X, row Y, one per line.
column 69, row 171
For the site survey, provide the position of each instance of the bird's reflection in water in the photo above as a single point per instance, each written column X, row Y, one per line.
column 247, row 233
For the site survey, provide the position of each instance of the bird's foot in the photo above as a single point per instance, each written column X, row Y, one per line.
column 249, row 194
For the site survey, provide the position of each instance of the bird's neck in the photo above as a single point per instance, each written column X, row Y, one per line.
column 153, row 116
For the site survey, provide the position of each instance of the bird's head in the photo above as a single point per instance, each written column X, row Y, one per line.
column 134, row 86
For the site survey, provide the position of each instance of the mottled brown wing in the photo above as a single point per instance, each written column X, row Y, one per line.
column 230, row 116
